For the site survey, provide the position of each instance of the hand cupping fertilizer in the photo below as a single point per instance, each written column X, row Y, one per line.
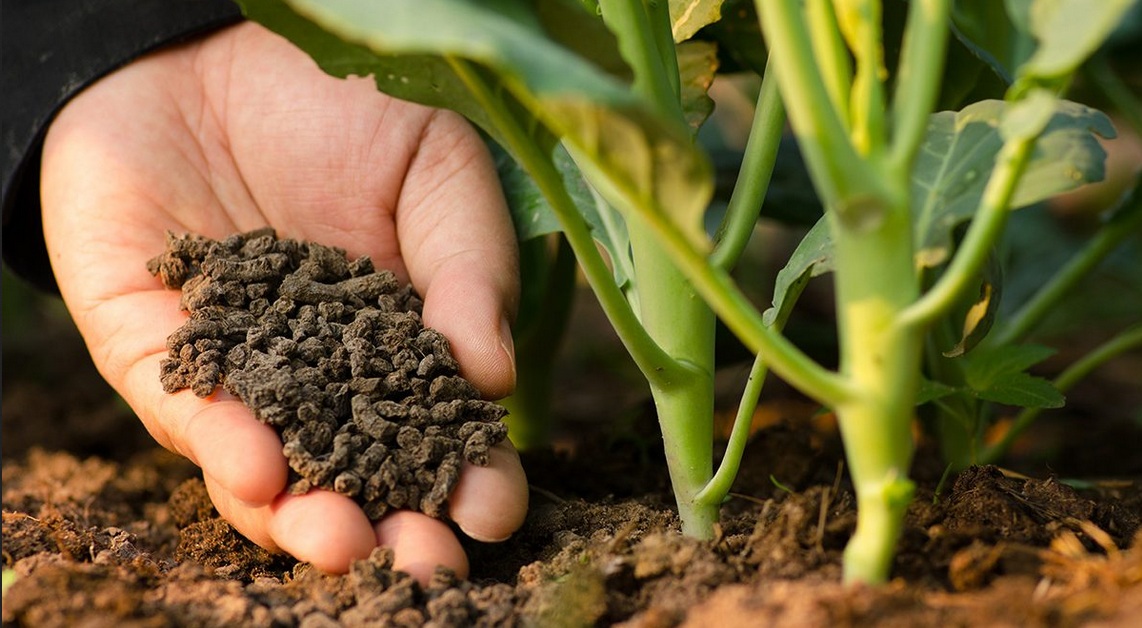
column 333, row 355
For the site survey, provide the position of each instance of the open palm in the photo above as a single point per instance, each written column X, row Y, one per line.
column 238, row 131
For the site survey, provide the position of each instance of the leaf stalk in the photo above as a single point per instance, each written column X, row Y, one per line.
column 753, row 177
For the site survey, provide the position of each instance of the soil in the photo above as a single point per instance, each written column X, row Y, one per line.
column 103, row 529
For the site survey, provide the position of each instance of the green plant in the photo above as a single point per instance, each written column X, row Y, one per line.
column 598, row 103
column 985, row 368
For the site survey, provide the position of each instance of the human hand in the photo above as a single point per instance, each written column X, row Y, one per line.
column 237, row 131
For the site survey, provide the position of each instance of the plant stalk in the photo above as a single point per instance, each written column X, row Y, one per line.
column 881, row 358
column 641, row 44
column 831, row 54
column 845, row 182
column 672, row 313
column 920, row 72
column 683, row 325
column 741, row 316
column 753, row 177
column 719, row 486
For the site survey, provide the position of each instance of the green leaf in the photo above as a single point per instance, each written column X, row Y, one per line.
column 984, row 366
column 951, row 171
column 1023, row 390
column 1069, row 31
column 968, row 78
column 979, row 318
column 931, row 390
column 531, row 213
column 812, row 257
column 689, row 16
column 954, row 162
column 998, row 374
column 422, row 78
column 988, row 30
column 697, row 65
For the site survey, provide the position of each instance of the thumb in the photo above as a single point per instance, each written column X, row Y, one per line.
column 459, row 246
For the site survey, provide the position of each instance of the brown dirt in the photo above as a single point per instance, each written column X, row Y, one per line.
column 104, row 531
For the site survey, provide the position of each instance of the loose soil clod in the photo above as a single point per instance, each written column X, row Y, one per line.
column 333, row 355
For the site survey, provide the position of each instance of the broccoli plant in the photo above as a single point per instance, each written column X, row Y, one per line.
column 598, row 103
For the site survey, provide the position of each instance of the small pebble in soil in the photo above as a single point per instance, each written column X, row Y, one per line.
column 333, row 355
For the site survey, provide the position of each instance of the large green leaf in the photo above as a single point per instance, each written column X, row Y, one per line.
column 951, row 173
column 422, row 78
column 958, row 153
column 1068, row 32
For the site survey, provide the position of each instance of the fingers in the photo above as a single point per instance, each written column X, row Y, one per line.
column 490, row 503
column 420, row 543
column 331, row 531
column 320, row 527
column 240, row 453
column 460, row 248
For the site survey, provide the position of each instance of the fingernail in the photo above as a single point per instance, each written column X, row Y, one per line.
column 484, row 538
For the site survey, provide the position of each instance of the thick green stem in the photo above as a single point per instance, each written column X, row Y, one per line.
column 741, row 316
column 683, row 325
column 845, row 181
column 875, row 282
column 640, row 43
column 672, row 313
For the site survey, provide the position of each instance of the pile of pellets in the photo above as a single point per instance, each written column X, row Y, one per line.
column 333, row 355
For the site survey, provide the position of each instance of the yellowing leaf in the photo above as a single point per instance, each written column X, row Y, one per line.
column 689, row 16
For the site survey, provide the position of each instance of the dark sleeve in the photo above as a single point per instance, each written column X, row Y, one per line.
column 49, row 51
